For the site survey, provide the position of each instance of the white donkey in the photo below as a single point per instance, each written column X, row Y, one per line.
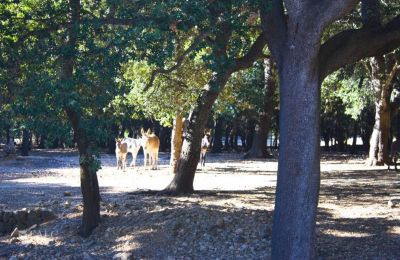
column 133, row 148
column 151, row 145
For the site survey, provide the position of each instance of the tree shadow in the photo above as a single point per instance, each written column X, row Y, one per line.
column 357, row 238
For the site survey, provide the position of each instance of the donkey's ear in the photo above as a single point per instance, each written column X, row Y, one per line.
column 142, row 131
column 149, row 131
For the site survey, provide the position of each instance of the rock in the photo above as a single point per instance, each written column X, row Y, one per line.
column 67, row 193
column 13, row 258
column 15, row 233
column 239, row 231
column 393, row 202
column 67, row 204
column 220, row 223
column 122, row 256
column 15, row 240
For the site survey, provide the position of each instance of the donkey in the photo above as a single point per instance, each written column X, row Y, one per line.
column 394, row 149
column 205, row 143
column 121, row 152
column 133, row 148
column 151, row 145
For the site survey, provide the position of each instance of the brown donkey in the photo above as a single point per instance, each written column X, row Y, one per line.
column 151, row 145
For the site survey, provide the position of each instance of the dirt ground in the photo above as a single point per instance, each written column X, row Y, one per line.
column 230, row 216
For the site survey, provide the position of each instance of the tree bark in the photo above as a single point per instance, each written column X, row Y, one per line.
column 378, row 151
column 298, row 167
column 295, row 29
column 259, row 146
column 183, row 180
column 176, row 142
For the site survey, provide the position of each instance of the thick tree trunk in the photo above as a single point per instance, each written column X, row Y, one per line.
column 378, row 150
column 259, row 145
column 183, row 180
column 217, row 139
column 176, row 142
column 25, row 143
column 293, row 234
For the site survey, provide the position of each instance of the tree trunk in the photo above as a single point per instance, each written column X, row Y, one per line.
column 259, row 146
column 378, row 150
column 251, row 130
column 355, row 132
column 8, row 135
column 88, row 163
column 227, row 133
column 218, row 131
column 183, row 180
column 176, row 142
column 25, row 143
column 293, row 233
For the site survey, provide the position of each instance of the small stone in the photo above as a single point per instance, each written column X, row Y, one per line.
column 393, row 202
column 67, row 204
column 67, row 193
column 220, row 223
column 122, row 256
column 239, row 231
column 15, row 233
column 15, row 240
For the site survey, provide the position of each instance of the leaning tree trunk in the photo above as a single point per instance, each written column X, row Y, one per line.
column 176, row 142
column 378, row 150
column 184, row 177
column 259, row 146
column 88, row 163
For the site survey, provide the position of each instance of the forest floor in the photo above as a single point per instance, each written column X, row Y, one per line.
column 230, row 217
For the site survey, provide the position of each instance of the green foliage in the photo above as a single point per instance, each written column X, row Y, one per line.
column 347, row 91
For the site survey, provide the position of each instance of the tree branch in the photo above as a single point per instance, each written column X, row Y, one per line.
column 350, row 46
column 178, row 63
column 255, row 52
column 274, row 26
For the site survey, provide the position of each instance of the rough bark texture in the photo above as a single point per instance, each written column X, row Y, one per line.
column 88, row 176
column 259, row 145
column 382, row 74
column 299, row 169
column 295, row 46
column 183, row 180
column 176, row 142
